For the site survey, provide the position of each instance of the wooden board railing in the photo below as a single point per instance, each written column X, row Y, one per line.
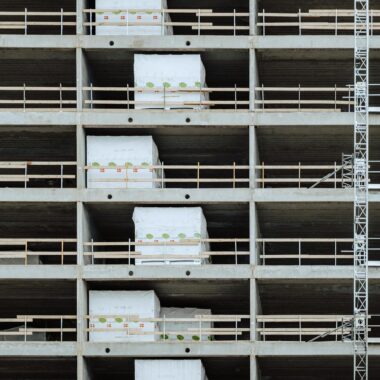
column 27, row 21
column 338, row 21
column 128, row 250
column 19, row 171
column 234, row 21
column 21, row 248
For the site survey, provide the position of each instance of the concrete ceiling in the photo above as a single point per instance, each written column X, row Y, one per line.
column 113, row 221
column 123, row 368
column 37, row 220
column 41, row 368
column 32, row 297
column 221, row 296
column 34, row 143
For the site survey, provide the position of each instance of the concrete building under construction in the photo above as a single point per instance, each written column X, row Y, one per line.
column 188, row 189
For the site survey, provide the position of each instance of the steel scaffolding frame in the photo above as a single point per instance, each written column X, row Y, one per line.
column 361, row 152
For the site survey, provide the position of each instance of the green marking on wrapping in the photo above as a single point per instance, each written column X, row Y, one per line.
column 146, row 164
column 95, row 164
column 150, row 84
column 182, row 236
column 180, row 337
column 198, row 84
column 183, row 85
column 112, row 164
column 164, row 337
column 197, row 235
column 166, row 236
column 196, row 338
column 102, row 320
column 166, row 84
column 210, row 338
column 128, row 165
column 119, row 320
column 116, row 12
column 149, row 236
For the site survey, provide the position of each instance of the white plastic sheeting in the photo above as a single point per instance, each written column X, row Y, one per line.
column 173, row 330
column 169, row 72
column 32, row 260
column 138, row 304
column 126, row 151
column 170, row 225
column 169, row 370
column 133, row 17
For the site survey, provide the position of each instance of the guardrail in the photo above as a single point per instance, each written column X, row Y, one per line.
column 38, row 328
column 231, row 175
column 28, row 21
column 200, row 20
column 24, row 249
column 39, row 97
column 22, row 172
column 335, row 21
column 305, row 251
column 200, row 327
column 310, row 99
column 303, row 328
column 125, row 98
column 128, row 251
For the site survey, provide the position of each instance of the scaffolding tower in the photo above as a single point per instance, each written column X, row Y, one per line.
column 361, row 153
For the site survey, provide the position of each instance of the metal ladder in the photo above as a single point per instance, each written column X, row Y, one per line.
column 360, row 166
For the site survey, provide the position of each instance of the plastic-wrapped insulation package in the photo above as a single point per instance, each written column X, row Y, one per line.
column 169, row 370
column 34, row 337
column 125, row 151
column 147, row 22
column 120, row 313
column 174, row 331
column 160, row 227
column 169, row 73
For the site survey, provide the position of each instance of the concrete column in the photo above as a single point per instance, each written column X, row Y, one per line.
column 82, row 323
column 253, row 10
column 83, row 78
column 254, row 157
column 81, row 156
column 253, row 78
column 256, row 309
column 255, row 369
column 81, row 5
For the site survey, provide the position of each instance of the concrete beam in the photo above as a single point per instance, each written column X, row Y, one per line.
column 148, row 349
column 122, row 272
column 30, row 349
column 38, row 272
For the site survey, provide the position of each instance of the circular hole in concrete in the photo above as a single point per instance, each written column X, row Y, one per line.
column 187, row 196
column 130, row 273
column 108, row 350
column 187, row 350
column 109, row 196
column 112, row 43
column 188, row 120
column 188, row 43
column 130, row 120
column 188, row 273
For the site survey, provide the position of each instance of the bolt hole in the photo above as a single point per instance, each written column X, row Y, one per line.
column 187, row 350
column 187, row 196
column 130, row 120
column 130, row 273
column 188, row 43
column 109, row 196
column 108, row 350
column 188, row 120
column 188, row 273
column 112, row 43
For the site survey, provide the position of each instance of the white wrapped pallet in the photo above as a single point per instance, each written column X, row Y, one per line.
column 110, row 310
column 170, row 225
column 174, row 331
column 117, row 13
column 169, row 370
column 169, row 71
column 126, row 151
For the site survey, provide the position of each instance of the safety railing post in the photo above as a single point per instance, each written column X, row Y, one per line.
column 129, row 251
column 25, row 328
column 199, row 22
column 263, row 252
column 162, row 175
column 234, row 175
column 128, row 96
column 164, row 88
column 299, row 253
column 26, row 21
column 299, row 175
column 61, row 21
column 200, row 328
column 91, row 96
column 335, row 98
column 24, row 96
column 62, row 252
column 61, row 329
column 264, row 29
column 91, row 21
column 234, row 22
column 335, row 252
column 236, row 328
column 198, row 175
column 300, row 22
column 92, row 252
column 235, row 97
column 26, row 176
column 299, row 97
column 335, row 175
column 236, row 253
column 162, row 22
column 336, row 22
column 60, row 96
